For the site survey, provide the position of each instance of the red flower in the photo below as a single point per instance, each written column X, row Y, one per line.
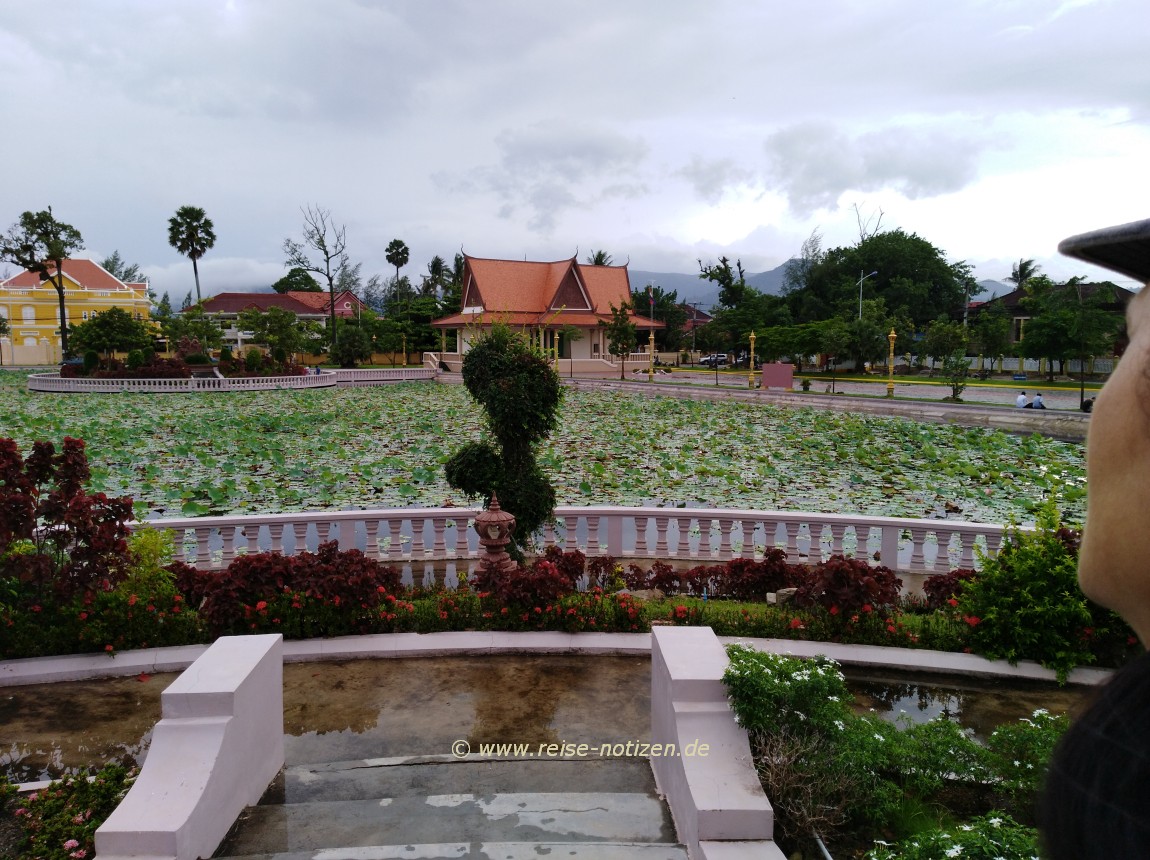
column 109, row 648
column 952, row 602
column 972, row 620
column 796, row 623
column 132, row 600
column 834, row 610
column 262, row 605
column 868, row 608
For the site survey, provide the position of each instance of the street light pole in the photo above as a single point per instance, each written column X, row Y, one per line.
column 862, row 278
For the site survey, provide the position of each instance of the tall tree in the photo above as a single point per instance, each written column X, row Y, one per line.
column 297, row 280
column 191, row 233
column 620, row 335
column 397, row 254
column 118, row 268
column 732, row 282
column 41, row 244
column 436, row 278
column 328, row 242
column 1022, row 272
column 599, row 258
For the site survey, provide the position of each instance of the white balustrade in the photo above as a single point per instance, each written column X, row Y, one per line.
column 53, row 382
column 412, row 536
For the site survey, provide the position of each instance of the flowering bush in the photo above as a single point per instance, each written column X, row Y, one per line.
column 60, row 821
column 994, row 836
column 825, row 767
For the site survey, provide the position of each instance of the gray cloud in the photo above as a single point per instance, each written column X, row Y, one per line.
column 814, row 163
column 550, row 167
column 711, row 178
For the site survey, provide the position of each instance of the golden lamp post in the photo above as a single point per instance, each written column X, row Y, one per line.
column 890, row 365
column 751, row 363
column 651, row 357
column 404, row 350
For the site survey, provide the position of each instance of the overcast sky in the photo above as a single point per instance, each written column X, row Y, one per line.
column 661, row 131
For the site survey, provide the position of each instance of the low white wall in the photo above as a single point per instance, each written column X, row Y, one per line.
column 216, row 749
column 716, row 799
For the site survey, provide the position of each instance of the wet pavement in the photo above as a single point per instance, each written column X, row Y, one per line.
column 387, row 758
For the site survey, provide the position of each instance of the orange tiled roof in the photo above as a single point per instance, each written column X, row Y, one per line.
column 525, row 292
column 86, row 273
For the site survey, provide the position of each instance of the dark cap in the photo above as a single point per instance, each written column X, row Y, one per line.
column 1125, row 248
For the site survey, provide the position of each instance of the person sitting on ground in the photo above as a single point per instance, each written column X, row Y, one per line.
column 1037, row 403
column 1087, row 405
column 1095, row 804
column 1020, row 400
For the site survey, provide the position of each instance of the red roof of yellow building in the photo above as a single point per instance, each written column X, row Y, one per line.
column 86, row 273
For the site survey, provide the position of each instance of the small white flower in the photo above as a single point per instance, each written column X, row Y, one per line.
column 878, row 737
column 954, row 852
column 995, row 822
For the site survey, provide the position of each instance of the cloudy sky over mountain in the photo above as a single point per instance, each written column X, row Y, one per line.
column 659, row 130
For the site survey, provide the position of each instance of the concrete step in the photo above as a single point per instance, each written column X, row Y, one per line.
column 573, row 818
column 440, row 775
column 489, row 851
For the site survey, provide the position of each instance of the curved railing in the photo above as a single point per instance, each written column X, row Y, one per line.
column 422, row 536
column 53, row 382
column 357, row 377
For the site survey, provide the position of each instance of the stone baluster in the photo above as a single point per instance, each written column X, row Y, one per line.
column 593, row 535
column 661, row 536
column 276, row 535
column 439, row 545
column 792, row 547
column 228, row 539
column 942, row 557
column 726, row 525
column 462, row 550
column 917, row 538
column 641, row 524
column 371, row 530
column 418, row 547
column 966, row 546
column 395, row 542
column 571, row 533
column 203, row 556
column 252, row 533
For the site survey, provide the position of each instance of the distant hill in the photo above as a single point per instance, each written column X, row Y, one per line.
column 692, row 288
column 993, row 289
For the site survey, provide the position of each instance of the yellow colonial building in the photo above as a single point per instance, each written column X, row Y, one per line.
column 32, row 308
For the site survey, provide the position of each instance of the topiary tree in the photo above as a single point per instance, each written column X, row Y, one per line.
column 520, row 392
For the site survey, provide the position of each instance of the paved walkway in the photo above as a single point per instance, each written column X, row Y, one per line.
column 1062, row 420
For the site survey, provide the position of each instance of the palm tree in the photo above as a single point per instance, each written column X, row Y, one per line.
column 599, row 258
column 1022, row 272
column 397, row 254
column 190, row 232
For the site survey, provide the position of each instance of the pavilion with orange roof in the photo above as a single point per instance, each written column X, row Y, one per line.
column 548, row 301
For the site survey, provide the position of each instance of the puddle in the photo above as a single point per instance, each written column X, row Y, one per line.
column 359, row 709
column 48, row 730
column 977, row 704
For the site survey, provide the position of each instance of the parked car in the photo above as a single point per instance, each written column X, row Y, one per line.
column 715, row 359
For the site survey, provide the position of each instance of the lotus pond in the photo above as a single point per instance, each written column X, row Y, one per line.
column 259, row 452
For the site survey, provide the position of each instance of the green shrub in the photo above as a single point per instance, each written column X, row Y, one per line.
column 91, row 360
column 136, row 359
column 995, row 836
column 253, row 361
column 1026, row 603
